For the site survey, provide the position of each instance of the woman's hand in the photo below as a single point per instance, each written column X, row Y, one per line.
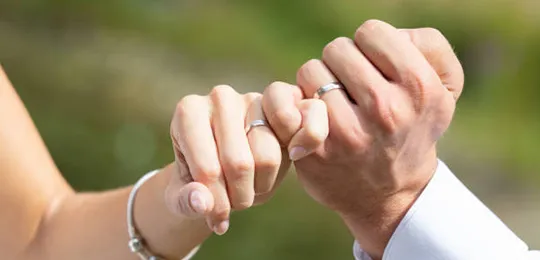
column 220, row 164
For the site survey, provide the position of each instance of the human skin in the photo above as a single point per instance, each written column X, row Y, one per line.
column 44, row 218
column 379, row 154
column 402, row 86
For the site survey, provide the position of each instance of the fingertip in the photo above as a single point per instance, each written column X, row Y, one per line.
column 304, row 143
column 221, row 228
column 284, row 89
column 297, row 152
column 218, row 223
column 315, row 120
column 279, row 104
column 314, row 130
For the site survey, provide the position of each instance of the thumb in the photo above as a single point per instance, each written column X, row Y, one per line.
column 192, row 200
column 313, row 131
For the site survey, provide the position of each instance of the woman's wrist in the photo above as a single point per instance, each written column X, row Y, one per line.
column 165, row 234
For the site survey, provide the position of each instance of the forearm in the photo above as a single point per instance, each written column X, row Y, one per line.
column 93, row 226
column 29, row 179
column 42, row 218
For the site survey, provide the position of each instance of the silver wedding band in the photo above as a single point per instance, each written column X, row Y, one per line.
column 327, row 88
column 255, row 123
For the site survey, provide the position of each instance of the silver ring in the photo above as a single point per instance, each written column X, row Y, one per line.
column 255, row 123
column 328, row 87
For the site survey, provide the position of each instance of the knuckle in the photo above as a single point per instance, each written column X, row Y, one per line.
column 328, row 49
column 432, row 40
column 219, row 91
column 310, row 64
column 368, row 27
column 275, row 88
column 238, row 168
column 268, row 164
column 307, row 69
column 277, row 85
column 208, row 174
column 419, row 80
column 342, row 41
column 371, row 24
column 432, row 34
column 334, row 45
column 251, row 96
column 187, row 103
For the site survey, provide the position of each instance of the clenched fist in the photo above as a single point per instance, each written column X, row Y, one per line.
column 398, row 93
column 227, row 157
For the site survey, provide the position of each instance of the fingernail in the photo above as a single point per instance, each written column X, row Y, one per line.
column 221, row 228
column 198, row 203
column 297, row 153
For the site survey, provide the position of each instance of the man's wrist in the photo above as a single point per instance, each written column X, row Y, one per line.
column 448, row 222
column 373, row 228
column 377, row 216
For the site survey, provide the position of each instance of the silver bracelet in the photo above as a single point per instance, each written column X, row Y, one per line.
column 136, row 242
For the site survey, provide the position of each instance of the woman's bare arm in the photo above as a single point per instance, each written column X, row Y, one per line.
column 93, row 226
column 41, row 217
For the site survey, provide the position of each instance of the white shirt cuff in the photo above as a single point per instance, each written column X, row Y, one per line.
column 447, row 222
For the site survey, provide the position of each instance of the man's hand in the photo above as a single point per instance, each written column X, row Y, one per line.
column 219, row 166
column 380, row 153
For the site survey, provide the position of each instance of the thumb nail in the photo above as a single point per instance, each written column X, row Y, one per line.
column 197, row 201
column 297, row 153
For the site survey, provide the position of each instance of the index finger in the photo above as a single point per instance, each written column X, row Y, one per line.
column 192, row 130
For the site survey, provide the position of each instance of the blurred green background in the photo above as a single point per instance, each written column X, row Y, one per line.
column 101, row 79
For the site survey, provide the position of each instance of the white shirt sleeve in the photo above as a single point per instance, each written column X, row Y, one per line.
column 448, row 222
